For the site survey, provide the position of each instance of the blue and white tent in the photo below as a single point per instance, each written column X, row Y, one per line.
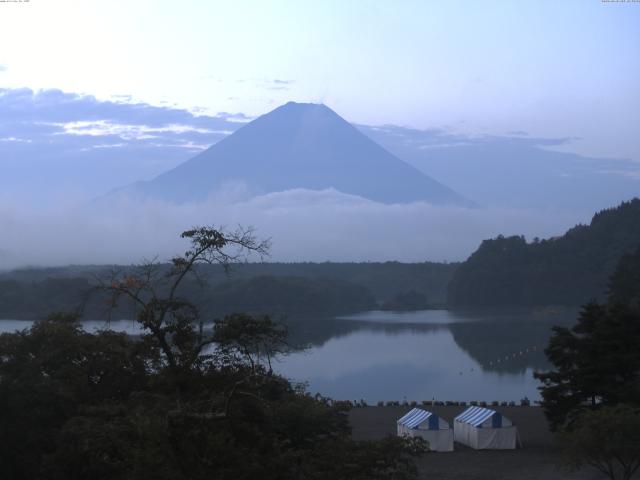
column 483, row 428
column 435, row 430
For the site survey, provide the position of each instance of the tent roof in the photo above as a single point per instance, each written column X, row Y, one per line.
column 475, row 415
column 414, row 417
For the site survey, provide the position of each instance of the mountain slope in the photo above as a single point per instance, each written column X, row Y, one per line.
column 517, row 171
column 298, row 146
column 568, row 270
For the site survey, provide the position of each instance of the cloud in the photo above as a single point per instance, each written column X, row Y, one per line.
column 26, row 105
column 3, row 68
column 58, row 150
column 277, row 84
column 14, row 139
column 54, row 143
column 128, row 132
column 272, row 84
column 65, row 148
column 442, row 137
column 516, row 170
column 236, row 117
column 304, row 225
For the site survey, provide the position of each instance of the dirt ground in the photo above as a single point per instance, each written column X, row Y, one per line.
column 536, row 460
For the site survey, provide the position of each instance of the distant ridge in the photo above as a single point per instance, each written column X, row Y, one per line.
column 297, row 145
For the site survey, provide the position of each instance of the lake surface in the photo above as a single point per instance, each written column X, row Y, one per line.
column 427, row 355
column 423, row 355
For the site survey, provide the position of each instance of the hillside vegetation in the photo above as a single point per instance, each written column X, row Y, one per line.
column 274, row 288
column 567, row 270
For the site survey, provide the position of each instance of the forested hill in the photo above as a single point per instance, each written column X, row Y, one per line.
column 567, row 270
column 319, row 288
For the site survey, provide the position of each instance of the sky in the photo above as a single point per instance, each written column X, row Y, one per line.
column 529, row 108
column 548, row 68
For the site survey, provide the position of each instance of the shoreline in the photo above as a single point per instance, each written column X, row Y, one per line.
column 537, row 459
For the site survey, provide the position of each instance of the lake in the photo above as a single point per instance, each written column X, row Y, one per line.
column 422, row 355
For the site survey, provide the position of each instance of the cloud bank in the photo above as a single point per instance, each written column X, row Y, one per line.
column 515, row 170
column 60, row 150
column 304, row 225
column 64, row 146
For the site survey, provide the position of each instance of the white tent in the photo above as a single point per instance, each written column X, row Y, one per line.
column 483, row 428
column 420, row 423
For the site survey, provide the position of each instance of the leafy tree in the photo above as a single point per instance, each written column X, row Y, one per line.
column 389, row 459
column 607, row 440
column 245, row 339
column 286, row 294
column 292, row 289
column 403, row 301
column 592, row 398
column 567, row 270
column 597, row 362
column 178, row 402
column 624, row 285
column 166, row 315
column 48, row 373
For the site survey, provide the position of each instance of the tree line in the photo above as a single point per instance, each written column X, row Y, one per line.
column 592, row 396
column 567, row 270
column 277, row 288
column 178, row 402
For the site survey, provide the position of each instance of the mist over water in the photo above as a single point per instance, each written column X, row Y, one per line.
column 67, row 151
column 304, row 225
column 243, row 239
column 420, row 355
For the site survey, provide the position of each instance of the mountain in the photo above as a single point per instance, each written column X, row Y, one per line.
column 567, row 270
column 297, row 145
column 514, row 171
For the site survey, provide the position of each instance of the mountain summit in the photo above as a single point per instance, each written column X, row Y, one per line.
column 298, row 145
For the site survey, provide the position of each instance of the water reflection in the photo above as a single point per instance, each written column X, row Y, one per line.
column 425, row 355
column 434, row 354
column 420, row 317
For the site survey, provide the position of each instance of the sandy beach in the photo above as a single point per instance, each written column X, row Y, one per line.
column 537, row 459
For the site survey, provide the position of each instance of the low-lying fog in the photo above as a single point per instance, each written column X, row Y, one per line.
column 303, row 225
column 62, row 150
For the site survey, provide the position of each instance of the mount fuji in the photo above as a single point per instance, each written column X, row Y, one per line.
column 297, row 146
